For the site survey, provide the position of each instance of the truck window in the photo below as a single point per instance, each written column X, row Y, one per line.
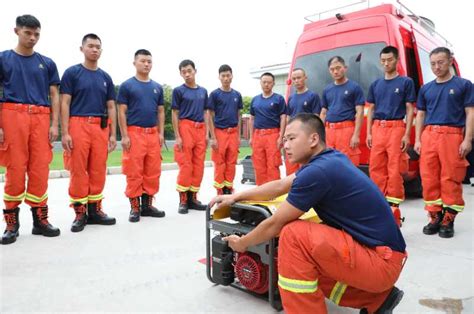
column 362, row 61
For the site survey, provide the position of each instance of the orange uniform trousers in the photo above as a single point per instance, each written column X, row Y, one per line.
column 442, row 169
column 142, row 163
column 338, row 136
column 266, row 156
column 317, row 261
column 386, row 159
column 225, row 157
column 191, row 157
column 290, row 167
column 87, row 161
column 26, row 150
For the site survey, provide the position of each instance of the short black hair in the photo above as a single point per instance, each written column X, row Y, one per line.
column 90, row 36
column 225, row 68
column 390, row 49
column 27, row 20
column 268, row 74
column 313, row 123
column 299, row 69
column 185, row 63
column 338, row 59
column 142, row 52
column 445, row 50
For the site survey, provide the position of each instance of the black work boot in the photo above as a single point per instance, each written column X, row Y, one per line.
column 134, row 209
column 446, row 229
column 81, row 217
column 96, row 216
column 193, row 202
column 228, row 190
column 183, row 203
column 41, row 224
column 392, row 300
column 148, row 209
column 13, row 224
column 435, row 220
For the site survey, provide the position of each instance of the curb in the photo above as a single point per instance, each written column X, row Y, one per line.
column 59, row 174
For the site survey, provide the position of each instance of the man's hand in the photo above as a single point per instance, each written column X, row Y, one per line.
column 235, row 243
column 279, row 143
column 179, row 143
column 222, row 201
column 213, row 143
column 112, row 143
column 465, row 148
column 417, row 147
column 405, row 142
column 126, row 143
column 67, row 142
column 162, row 140
column 354, row 142
column 53, row 133
column 2, row 136
column 368, row 141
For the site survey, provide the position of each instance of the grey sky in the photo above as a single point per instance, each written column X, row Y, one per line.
column 244, row 34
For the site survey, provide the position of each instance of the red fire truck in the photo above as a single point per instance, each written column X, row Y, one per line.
column 359, row 37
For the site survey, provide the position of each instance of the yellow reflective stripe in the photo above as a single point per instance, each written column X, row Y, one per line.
column 35, row 198
column 458, row 208
column 96, row 197
column 194, row 189
column 218, row 185
column 435, row 202
column 228, row 184
column 393, row 200
column 79, row 200
column 337, row 292
column 181, row 188
column 297, row 286
column 20, row 197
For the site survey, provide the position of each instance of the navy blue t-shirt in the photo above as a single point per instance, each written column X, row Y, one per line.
column 267, row 111
column 142, row 100
column 226, row 106
column 191, row 102
column 345, row 198
column 308, row 102
column 341, row 100
column 26, row 79
column 445, row 102
column 390, row 97
column 90, row 90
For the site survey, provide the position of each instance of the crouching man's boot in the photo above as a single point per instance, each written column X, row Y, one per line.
column 392, row 300
column 13, row 224
column 193, row 202
column 96, row 216
column 134, row 209
column 446, row 229
column 183, row 203
column 81, row 217
column 41, row 224
column 435, row 220
column 148, row 209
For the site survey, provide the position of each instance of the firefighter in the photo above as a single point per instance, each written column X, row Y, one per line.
column 28, row 78
column 355, row 257
column 141, row 119
column 444, row 128
column 267, row 126
column 390, row 100
column 88, row 120
column 302, row 100
column 343, row 111
column 225, row 104
column 190, row 124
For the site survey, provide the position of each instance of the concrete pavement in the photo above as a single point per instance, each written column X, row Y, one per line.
column 153, row 265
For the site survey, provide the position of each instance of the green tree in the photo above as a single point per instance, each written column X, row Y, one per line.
column 168, row 92
column 246, row 102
